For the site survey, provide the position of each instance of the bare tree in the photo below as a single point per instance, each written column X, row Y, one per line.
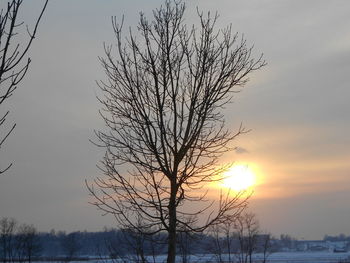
column 8, row 228
column 162, row 103
column 127, row 245
column 136, row 242
column 185, row 241
column 230, row 239
column 13, row 61
column 217, row 246
column 225, row 242
column 266, row 247
column 247, row 231
column 27, row 243
column 70, row 245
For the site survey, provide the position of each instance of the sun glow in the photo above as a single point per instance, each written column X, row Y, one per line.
column 239, row 178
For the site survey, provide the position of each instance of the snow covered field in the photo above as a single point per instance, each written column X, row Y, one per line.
column 288, row 257
column 307, row 257
column 279, row 257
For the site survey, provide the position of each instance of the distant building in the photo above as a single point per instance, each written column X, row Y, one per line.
column 321, row 245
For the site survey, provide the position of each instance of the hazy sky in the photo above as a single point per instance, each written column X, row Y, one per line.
column 297, row 107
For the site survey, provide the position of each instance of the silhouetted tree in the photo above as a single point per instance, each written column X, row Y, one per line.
column 266, row 247
column 247, row 232
column 226, row 243
column 13, row 61
column 162, row 105
column 184, row 240
column 8, row 228
column 70, row 245
column 127, row 245
column 27, row 243
column 216, row 247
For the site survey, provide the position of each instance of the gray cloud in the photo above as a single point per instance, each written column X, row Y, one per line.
column 241, row 150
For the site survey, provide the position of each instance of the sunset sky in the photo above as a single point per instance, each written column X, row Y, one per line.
column 297, row 108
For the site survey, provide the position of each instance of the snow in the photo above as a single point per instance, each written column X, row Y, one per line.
column 279, row 257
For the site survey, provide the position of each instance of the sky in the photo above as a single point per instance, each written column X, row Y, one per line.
column 296, row 107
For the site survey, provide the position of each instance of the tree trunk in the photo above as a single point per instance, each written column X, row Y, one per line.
column 172, row 224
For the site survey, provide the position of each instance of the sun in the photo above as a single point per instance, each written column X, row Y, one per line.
column 239, row 178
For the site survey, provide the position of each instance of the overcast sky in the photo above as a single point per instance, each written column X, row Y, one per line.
column 297, row 107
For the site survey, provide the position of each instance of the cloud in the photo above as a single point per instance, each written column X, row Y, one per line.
column 241, row 150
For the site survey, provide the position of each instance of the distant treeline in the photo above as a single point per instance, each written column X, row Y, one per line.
column 21, row 242
column 114, row 242
column 340, row 237
column 111, row 243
